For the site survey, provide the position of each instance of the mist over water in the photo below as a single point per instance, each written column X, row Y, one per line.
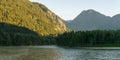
column 57, row 53
column 29, row 53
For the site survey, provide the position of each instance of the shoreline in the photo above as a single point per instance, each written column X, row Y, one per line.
column 55, row 46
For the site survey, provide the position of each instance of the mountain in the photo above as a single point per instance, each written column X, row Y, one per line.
column 93, row 20
column 33, row 16
column 116, row 21
column 67, row 22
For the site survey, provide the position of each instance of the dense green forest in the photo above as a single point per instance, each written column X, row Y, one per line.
column 12, row 35
column 89, row 38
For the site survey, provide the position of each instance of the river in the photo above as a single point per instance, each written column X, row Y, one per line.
column 58, row 53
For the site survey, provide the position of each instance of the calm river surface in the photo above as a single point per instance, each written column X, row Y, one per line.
column 57, row 53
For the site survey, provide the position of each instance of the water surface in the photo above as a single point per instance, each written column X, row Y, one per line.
column 29, row 53
column 91, row 54
column 58, row 53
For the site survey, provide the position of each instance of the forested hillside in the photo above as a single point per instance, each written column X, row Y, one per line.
column 33, row 16
column 12, row 35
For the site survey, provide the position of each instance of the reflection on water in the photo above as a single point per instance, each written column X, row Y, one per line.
column 55, row 53
column 28, row 53
column 91, row 54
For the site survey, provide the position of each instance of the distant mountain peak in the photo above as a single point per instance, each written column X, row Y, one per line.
column 90, row 11
column 91, row 20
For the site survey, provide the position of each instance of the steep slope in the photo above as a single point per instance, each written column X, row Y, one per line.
column 67, row 22
column 32, row 16
column 53, row 16
column 116, row 21
column 91, row 20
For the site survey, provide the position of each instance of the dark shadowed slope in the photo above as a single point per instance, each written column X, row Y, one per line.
column 15, row 35
column 9, row 28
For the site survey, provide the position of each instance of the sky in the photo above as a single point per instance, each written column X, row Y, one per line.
column 69, row 9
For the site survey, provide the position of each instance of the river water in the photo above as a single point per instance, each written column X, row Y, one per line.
column 58, row 53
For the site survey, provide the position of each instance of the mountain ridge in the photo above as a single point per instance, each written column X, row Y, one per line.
column 30, row 15
column 93, row 20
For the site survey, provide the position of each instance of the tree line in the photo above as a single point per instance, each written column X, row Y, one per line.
column 13, row 35
column 97, row 38
column 19, row 39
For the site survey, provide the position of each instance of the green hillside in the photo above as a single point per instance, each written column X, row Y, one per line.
column 33, row 16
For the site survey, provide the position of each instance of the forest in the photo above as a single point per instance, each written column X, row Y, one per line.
column 96, row 38
column 12, row 35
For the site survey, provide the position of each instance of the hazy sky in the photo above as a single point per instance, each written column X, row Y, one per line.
column 69, row 9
